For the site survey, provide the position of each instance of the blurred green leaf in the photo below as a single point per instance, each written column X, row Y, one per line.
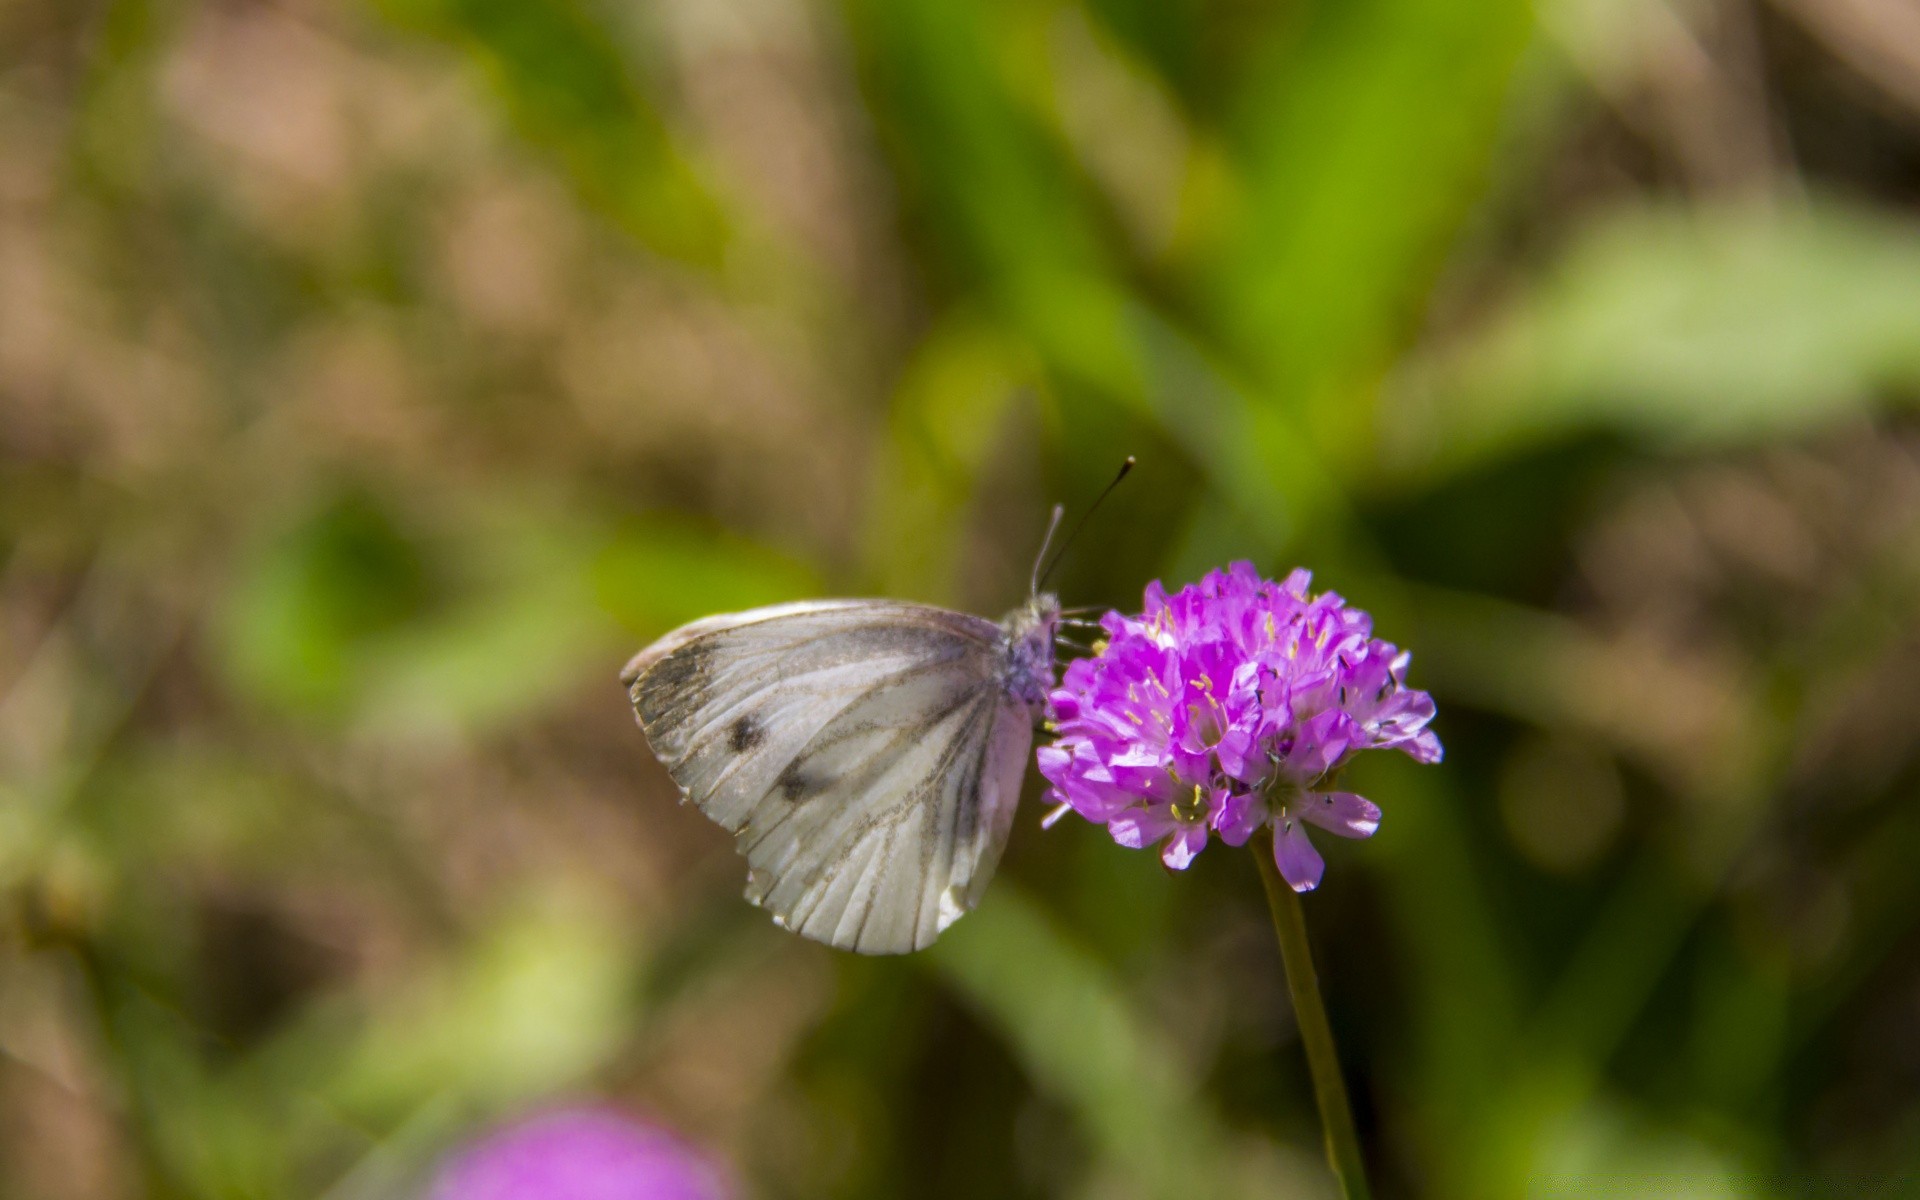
column 524, row 629
column 302, row 608
column 199, row 1139
column 1688, row 327
column 951, row 410
column 538, row 1001
column 656, row 573
column 1000, row 192
column 1199, row 46
column 1361, row 137
column 503, row 607
column 1603, row 1151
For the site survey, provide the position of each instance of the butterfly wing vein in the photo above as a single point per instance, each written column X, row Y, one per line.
column 866, row 756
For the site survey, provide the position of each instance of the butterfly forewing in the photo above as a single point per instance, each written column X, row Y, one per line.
column 865, row 754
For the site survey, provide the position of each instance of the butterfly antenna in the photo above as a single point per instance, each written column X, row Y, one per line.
column 1040, row 573
column 1033, row 580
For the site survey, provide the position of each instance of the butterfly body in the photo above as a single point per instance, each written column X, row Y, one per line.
column 867, row 755
column 1029, row 633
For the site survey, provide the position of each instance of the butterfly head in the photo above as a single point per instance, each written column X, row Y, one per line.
column 1029, row 632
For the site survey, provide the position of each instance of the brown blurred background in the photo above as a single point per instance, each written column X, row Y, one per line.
column 376, row 376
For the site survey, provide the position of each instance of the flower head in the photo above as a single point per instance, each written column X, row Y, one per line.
column 1230, row 705
column 579, row 1154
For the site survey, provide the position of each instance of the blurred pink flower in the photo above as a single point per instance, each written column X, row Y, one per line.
column 579, row 1154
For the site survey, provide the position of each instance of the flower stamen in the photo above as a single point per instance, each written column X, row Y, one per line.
column 1193, row 810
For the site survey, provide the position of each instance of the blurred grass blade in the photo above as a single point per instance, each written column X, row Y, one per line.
column 1361, row 138
column 1069, row 1024
column 955, row 403
column 1458, row 952
column 999, row 192
column 1698, row 327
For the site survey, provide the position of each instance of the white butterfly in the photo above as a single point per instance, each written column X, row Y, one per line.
column 865, row 754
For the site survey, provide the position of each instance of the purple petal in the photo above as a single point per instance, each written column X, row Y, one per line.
column 1239, row 817
column 1343, row 813
column 1078, row 677
column 1240, row 757
column 1322, row 741
column 1139, row 755
column 1231, row 684
column 1300, row 864
column 1156, row 598
column 1244, row 577
column 1138, row 828
column 1054, row 762
column 1094, row 802
column 1191, row 765
column 1402, row 715
column 1186, row 842
column 1425, row 747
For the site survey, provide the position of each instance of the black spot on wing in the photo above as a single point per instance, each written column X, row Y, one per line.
column 674, row 685
column 745, row 734
column 795, row 785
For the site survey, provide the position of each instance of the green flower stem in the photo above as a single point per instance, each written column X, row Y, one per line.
column 1323, row 1060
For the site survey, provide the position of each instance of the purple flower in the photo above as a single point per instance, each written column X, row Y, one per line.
column 579, row 1154
column 1232, row 704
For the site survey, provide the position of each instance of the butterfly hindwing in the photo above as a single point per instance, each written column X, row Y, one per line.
column 865, row 755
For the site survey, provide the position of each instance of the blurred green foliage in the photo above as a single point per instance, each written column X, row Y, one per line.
column 375, row 377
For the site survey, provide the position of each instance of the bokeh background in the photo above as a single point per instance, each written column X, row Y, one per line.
column 375, row 377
